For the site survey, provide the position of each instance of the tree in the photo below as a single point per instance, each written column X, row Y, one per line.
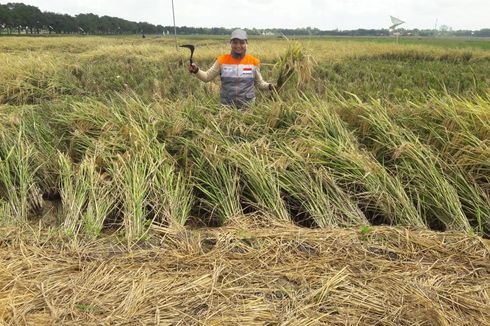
column 25, row 16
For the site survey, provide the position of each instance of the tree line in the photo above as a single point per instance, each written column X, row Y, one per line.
column 19, row 18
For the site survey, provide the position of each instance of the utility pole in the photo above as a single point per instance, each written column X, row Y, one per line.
column 175, row 28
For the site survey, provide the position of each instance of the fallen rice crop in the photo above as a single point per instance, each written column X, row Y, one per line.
column 128, row 194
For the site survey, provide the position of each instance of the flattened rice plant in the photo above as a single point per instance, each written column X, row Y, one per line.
column 418, row 167
column 328, row 142
column 260, row 178
column 318, row 193
column 458, row 130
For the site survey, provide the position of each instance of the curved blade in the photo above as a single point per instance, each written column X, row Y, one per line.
column 190, row 47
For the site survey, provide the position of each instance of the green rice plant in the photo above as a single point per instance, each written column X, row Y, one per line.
column 374, row 188
column 101, row 201
column 214, row 176
column 132, row 173
column 17, row 175
column 419, row 168
column 43, row 136
column 174, row 191
column 32, row 78
column 218, row 181
column 475, row 162
column 85, row 126
column 101, row 100
column 458, row 130
column 117, row 124
column 259, row 175
column 170, row 190
column 318, row 193
column 474, row 200
column 74, row 191
column 447, row 130
column 87, row 196
column 5, row 213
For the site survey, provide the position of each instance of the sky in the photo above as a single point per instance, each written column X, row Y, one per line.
column 261, row 14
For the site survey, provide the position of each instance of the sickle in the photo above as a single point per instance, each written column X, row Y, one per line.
column 190, row 47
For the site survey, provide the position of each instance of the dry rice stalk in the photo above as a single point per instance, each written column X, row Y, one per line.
column 250, row 272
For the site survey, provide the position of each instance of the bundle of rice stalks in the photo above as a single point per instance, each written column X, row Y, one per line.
column 219, row 184
column 215, row 177
column 43, row 135
column 428, row 134
column 295, row 66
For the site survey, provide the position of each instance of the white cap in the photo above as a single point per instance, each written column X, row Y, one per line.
column 238, row 34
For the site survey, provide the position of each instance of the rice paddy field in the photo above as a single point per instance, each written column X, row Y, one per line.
column 356, row 193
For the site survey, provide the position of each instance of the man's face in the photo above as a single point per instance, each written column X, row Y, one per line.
column 238, row 46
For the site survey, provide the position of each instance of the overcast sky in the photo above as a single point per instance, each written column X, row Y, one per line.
column 323, row 14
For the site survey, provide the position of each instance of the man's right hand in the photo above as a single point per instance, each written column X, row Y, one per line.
column 193, row 68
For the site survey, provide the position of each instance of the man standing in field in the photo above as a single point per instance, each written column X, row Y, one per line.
column 239, row 72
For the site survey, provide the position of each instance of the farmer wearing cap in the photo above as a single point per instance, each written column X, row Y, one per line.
column 239, row 72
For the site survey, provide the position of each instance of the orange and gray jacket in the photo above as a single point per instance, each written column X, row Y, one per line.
column 238, row 77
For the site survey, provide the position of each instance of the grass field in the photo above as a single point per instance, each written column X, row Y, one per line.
column 109, row 144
